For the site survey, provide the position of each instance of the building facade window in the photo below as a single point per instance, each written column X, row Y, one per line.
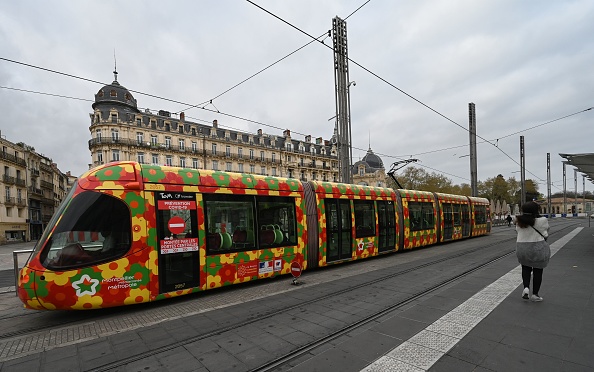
column 115, row 135
column 227, row 150
column 251, row 154
column 100, row 157
column 274, row 171
column 273, row 157
column 141, row 157
column 153, row 140
column 138, row 122
column 168, row 142
column 139, row 137
column 240, row 152
column 263, row 171
column 261, row 155
column 194, row 146
column 252, row 169
column 228, row 167
column 155, row 159
column 98, row 135
column 215, row 165
column 115, row 155
column 182, row 144
column 214, row 148
column 182, row 162
column 114, row 118
column 240, row 167
column 195, row 163
column 168, row 160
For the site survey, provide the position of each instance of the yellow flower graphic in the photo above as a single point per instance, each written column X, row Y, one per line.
column 253, row 255
column 137, row 295
column 138, row 228
column 151, row 264
column 228, row 258
column 213, row 281
column 60, row 278
column 115, row 269
column 88, row 302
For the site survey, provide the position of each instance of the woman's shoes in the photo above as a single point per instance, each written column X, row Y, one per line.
column 535, row 298
column 526, row 293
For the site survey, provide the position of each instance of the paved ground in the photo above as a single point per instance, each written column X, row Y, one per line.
column 478, row 324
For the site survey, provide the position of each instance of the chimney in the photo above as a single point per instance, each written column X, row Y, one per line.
column 259, row 132
column 287, row 133
column 182, row 116
column 319, row 141
column 215, row 124
column 308, row 138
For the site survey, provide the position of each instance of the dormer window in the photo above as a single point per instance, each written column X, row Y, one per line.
column 113, row 93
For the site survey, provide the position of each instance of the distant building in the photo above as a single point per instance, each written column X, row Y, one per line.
column 569, row 207
column 33, row 187
column 369, row 171
column 121, row 131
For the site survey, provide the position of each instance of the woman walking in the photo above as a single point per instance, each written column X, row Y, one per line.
column 531, row 248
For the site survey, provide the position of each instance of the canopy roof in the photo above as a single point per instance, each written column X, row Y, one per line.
column 583, row 162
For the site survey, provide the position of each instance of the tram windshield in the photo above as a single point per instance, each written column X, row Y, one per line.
column 94, row 227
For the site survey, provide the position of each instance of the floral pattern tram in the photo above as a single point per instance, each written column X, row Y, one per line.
column 129, row 233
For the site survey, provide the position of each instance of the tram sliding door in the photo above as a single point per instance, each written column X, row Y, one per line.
column 448, row 222
column 338, row 226
column 386, row 225
column 465, row 220
column 177, row 239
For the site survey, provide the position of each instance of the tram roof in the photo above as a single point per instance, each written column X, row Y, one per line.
column 584, row 163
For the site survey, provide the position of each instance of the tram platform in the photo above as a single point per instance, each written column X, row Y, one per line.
column 495, row 329
column 479, row 323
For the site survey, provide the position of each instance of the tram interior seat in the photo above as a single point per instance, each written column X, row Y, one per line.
column 72, row 254
column 214, row 240
column 267, row 235
column 240, row 238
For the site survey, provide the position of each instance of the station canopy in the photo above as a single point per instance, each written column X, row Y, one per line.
column 584, row 163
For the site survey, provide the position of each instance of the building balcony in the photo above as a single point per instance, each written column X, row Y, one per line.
column 8, row 179
column 46, row 185
column 10, row 200
column 34, row 172
column 13, row 159
column 35, row 191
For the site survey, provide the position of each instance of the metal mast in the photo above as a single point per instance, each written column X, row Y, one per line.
column 343, row 99
column 473, row 166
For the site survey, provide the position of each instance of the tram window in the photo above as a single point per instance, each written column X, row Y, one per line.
column 447, row 214
column 230, row 223
column 457, row 219
column 95, row 227
column 421, row 216
column 480, row 214
column 364, row 218
column 276, row 221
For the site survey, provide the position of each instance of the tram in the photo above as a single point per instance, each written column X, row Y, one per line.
column 131, row 233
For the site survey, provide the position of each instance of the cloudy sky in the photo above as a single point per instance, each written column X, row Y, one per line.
column 523, row 63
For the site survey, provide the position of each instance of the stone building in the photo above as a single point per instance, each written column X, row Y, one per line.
column 121, row 131
column 369, row 171
column 33, row 187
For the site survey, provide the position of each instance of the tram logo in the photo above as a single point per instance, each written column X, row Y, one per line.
column 85, row 286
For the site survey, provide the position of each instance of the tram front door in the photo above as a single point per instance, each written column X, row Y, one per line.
column 177, row 239
column 338, row 226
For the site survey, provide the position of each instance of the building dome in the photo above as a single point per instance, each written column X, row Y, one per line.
column 115, row 93
column 373, row 160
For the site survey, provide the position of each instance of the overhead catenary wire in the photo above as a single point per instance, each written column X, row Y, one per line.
column 401, row 157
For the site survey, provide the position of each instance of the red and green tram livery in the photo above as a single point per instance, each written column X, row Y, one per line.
column 129, row 233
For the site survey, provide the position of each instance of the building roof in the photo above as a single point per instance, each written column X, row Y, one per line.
column 115, row 93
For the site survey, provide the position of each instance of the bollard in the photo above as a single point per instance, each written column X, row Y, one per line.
column 15, row 260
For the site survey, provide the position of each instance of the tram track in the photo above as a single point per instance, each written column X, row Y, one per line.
column 304, row 349
column 269, row 314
